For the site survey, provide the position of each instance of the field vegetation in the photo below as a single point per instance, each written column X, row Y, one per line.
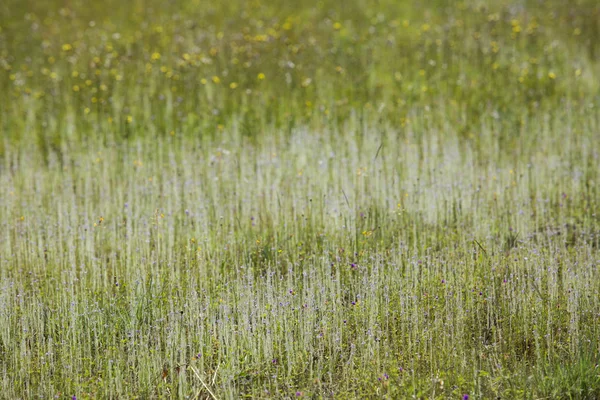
column 271, row 199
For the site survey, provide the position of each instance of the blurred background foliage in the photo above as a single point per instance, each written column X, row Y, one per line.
column 114, row 69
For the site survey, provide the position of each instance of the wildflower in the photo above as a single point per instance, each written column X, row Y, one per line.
column 337, row 26
column 465, row 397
column 216, row 79
column 66, row 47
column 129, row 119
column 233, row 85
column 155, row 56
column 261, row 76
column 551, row 75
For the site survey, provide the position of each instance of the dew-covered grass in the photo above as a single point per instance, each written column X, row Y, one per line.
column 299, row 200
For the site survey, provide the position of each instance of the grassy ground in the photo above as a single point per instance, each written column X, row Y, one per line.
column 278, row 199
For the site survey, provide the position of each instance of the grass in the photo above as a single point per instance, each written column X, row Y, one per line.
column 283, row 200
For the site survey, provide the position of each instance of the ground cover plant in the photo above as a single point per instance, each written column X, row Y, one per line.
column 251, row 199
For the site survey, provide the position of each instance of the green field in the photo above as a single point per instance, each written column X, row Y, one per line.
column 315, row 199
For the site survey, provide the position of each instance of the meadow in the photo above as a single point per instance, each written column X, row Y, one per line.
column 316, row 199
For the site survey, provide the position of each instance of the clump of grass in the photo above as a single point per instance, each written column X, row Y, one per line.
column 268, row 200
